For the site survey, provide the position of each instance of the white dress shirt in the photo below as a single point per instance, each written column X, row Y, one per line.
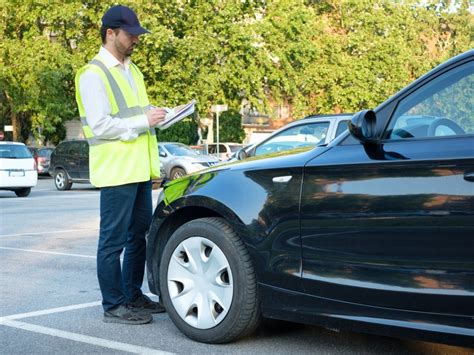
column 98, row 108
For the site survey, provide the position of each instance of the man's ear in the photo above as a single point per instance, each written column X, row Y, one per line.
column 110, row 33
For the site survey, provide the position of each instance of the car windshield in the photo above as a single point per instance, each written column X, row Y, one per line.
column 235, row 148
column 180, row 150
column 303, row 135
column 14, row 151
column 45, row 152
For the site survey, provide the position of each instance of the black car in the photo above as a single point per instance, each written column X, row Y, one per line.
column 70, row 164
column 373, row 232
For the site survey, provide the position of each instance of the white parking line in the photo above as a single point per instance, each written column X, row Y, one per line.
column 52, row 310
column 110, row 344
column 48, row 232
column 49, row 252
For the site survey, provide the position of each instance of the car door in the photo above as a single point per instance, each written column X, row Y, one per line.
column 84, row 160
column 72, row 160
column 392, row 224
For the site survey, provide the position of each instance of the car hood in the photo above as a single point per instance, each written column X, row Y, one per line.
column 178, row 188
column 291, row 158
column 198, row 159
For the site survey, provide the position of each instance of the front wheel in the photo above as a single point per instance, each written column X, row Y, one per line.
column 208, row 284
column 23, row 192
column 176, row 173
column 61, row 180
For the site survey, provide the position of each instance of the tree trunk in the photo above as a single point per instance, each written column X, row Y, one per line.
column 16, row 123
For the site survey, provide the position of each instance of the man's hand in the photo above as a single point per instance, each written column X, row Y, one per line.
column 155, row 116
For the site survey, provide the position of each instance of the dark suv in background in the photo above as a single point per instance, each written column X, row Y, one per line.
column 70, row 164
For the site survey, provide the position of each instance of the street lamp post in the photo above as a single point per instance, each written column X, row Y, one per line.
column 217, row 109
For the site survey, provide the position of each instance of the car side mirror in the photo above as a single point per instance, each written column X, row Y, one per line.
column 242, row 154
column 362, row 126
column 163, row 154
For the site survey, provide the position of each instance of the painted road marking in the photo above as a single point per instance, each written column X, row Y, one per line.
column 49, row 252
column 52, row 310
column 11, row 321
column 110, row 344
column 48, row 232
column 56, row 310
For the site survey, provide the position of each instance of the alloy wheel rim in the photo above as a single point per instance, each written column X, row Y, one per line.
column 178, row 174
column 200, row 282
column 60, row 180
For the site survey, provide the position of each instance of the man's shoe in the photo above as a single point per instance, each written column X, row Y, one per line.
column 144, row 304
column 126, row 315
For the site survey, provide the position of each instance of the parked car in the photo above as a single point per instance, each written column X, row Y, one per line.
column 199, row 149
column 70, row 164
column 310, row 131
column 372, row 232
column 17, row 168
column 179, row 160
column 42, row 158
column 226, row 150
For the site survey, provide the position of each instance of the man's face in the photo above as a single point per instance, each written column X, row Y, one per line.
column 125, row 42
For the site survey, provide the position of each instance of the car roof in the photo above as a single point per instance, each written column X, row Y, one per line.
column 173, row 143
column 10, row 142
column 315, row 118
column 329, row 115
column 73, row 140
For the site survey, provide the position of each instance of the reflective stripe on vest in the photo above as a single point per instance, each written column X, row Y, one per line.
column 113, row 162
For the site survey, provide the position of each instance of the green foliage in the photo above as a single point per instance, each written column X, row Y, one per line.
column 320, row 56
column 184, row 132
column 230, row 127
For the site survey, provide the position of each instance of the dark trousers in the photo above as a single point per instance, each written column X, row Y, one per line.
column 125, row 215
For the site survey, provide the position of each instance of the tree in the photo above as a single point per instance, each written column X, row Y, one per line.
column 320, row 56
column 230, row 127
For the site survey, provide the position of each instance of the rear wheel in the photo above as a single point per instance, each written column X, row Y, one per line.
column 176, row 173
column 23, row 192
column 208, row 283
column 61, row 180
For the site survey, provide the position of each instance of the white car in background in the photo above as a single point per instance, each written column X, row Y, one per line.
column 17, row 168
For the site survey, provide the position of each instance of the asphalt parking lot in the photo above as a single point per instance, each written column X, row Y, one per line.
column 50, row 299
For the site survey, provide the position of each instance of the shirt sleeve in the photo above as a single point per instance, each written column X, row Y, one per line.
column 98, row 111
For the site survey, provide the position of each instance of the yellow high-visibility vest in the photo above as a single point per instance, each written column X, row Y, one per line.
column 116, row 162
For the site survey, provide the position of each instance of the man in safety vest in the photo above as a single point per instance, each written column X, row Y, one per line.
column 118, row 122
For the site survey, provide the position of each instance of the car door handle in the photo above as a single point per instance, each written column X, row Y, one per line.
column 469, row 176
column 282, row 178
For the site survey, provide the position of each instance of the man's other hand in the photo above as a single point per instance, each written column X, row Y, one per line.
column 155, row 116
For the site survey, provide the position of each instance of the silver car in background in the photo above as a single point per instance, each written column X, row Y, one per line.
column 178, row 160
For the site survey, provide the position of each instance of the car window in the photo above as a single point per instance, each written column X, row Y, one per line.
column 84, row 149
column 74, row 148
column 341, row 127
column 235, row 148
column 45, row 153
column 60, row 149
column 212, row 148
column 443, row 107
column 304, row 135
column 180, row 150
column 14, row 151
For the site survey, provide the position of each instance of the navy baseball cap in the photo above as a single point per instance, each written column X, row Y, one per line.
column 125, row 18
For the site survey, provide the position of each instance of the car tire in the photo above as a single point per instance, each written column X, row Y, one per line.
column 23, row 192
column 61, row 180
column 176, row 173
column 208, row 286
